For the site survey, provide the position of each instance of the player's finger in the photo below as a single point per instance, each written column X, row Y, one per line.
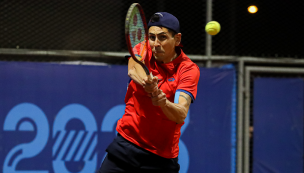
column 143, row 83
column 150, row 88
column 150, row 77
column 159, row 100
column 156, row 92
column 158, row 95
column 155, row 79
column 145, row 79
column 151, row 80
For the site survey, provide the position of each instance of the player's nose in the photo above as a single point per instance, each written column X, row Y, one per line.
column 156, row 42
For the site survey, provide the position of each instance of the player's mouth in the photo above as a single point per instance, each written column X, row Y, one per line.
column 157, row 51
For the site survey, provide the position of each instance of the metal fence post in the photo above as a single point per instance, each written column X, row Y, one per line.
column 208, row 37
column 239, row 158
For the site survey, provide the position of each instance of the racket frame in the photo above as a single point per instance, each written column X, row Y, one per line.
column 127, row 34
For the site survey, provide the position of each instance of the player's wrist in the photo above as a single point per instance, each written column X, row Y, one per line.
column 165, row 103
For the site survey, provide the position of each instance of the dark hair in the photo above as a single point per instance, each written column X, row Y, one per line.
column 172, row 32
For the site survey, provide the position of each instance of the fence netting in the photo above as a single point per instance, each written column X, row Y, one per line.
column 92, row 25
column 273, row 31
column 98, row 25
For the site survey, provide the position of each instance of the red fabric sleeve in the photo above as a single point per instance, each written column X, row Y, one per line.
column 189, row 77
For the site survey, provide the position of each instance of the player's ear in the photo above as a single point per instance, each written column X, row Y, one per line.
column 178, row 38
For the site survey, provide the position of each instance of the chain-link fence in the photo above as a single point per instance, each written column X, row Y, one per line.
column 276, row 30
column 98, row 25
column 94, row 25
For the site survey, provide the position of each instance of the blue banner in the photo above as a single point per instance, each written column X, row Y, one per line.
column 60, row 118
column 278, row 125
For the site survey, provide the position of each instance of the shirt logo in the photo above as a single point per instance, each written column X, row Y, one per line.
column 171, row 79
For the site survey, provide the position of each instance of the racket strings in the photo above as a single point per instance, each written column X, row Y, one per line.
column 137, row 34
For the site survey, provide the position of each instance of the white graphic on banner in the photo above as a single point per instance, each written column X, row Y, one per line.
column 70, row 146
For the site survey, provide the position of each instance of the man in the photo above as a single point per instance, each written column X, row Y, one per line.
column 149, row 131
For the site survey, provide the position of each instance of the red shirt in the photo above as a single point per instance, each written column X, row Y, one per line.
column 145, row 124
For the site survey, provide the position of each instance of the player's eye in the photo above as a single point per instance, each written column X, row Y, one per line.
column 152, row 37
column 162, row 37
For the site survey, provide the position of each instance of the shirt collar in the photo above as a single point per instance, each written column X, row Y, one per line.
column 171, row 66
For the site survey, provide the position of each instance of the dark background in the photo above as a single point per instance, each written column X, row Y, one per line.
column 276, row 30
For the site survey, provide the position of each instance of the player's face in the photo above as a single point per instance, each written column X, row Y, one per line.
column 163, row 43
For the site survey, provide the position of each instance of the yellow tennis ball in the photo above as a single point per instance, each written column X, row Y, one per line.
column 213, row 28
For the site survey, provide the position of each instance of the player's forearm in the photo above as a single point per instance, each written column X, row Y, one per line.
column 174, row 112
column 136, row 72
column 134, row 76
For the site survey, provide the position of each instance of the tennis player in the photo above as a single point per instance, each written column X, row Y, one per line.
column 149, row 131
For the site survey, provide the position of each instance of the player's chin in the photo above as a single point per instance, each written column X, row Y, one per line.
column 158, row 56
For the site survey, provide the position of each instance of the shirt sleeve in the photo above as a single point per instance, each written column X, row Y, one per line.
column 189, row 77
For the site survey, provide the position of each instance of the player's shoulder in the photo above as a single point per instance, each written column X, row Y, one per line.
column 188, row 63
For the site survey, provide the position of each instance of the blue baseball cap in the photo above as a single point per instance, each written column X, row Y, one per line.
column 166, row 20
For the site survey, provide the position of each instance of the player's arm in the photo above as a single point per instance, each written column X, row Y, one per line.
column 176, row 112
column 136, row 72
column 138, row 75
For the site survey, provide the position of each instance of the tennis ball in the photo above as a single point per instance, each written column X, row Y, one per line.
column 213, row 28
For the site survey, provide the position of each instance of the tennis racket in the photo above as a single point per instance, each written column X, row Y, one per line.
column 136, row 32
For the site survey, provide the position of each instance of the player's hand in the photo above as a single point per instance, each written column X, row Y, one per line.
column 150, row 85
column 159, row 98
